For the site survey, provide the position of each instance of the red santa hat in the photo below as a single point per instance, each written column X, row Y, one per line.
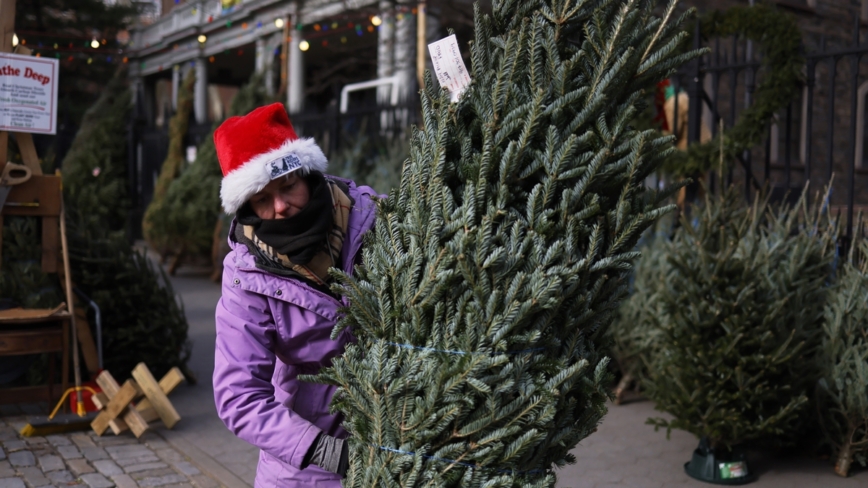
column 259, row 147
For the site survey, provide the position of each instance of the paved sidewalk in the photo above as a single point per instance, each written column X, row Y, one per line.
column 85, row 459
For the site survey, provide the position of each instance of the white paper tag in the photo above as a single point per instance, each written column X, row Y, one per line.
column 449, row 66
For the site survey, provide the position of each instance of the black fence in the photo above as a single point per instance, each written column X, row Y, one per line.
column 148, row 149
column 333, row 129
column 820, row 134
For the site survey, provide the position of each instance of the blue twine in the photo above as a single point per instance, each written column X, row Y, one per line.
column 460, row 353
column 453, row 461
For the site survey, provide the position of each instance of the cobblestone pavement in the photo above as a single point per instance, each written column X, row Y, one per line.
column 85, row 459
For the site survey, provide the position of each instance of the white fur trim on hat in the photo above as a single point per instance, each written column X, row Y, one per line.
column 242, row 183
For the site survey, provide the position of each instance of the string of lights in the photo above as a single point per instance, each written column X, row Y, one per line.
column 92, row 48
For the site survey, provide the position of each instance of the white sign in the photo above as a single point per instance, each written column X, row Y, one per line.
column 449, row 66
column 28, row 94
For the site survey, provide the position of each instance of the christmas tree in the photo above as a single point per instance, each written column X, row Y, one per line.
column 171, row 168
column 742, row 309
column 140, row 314
column 634, row 329
column 189, row 210
column 842, row 391
column 494, row 268
column 376, row 163
column 95, row 169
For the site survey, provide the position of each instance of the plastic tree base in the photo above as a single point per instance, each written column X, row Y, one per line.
column 718, row 467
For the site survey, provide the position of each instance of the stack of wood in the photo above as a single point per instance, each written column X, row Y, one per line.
column 137, row 402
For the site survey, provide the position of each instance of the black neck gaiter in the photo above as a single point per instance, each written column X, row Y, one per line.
column 304, row 234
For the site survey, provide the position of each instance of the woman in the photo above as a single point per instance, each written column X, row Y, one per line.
column 276, row 313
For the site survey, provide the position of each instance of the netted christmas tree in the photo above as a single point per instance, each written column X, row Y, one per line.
column 741, row 315
column 95, row 168
column 189, row 209
column 171, row 168
column 142, row 320
column 493, row 270
column 376, row 163
column 842, row 392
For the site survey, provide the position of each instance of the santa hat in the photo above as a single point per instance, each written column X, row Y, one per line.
column 257, row 148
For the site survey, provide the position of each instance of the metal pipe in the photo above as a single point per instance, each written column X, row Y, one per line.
column 694, row 109
column 788, row 141
column 98, row 322
column 851, row 170
column 830, row 131
column 809, row 119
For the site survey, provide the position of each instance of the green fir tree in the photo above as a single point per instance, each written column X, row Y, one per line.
column 741, row 313
column 142, row 320
column 634, row 330
column 842, row 392
column 95, row 168
column 368, row 162
column 191, row 206
column 494, row 268
column 171, row 168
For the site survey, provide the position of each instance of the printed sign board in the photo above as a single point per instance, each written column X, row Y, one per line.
column 28, row 94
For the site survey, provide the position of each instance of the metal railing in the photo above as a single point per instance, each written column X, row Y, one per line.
column 812, row 139
column 331, row 128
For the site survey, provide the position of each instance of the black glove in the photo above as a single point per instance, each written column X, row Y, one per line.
column 330, row 454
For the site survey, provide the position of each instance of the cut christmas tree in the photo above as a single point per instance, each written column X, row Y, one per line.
column 741, row 312
column 170, row 170
column 634, row 330
column 494, row 268
column 189, row 208
column 142, row 320
column 842, row 392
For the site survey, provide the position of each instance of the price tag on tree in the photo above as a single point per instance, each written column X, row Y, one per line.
column 449, row 66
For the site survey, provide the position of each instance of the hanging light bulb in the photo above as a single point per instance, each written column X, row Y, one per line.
column 94, row 44
column 14, row 40
column 304, row 45
column 278, row 22
column 202, row 38
column 376, row 20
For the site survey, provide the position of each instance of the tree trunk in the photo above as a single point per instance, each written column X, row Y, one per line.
column 622, row 387
column 845, row 457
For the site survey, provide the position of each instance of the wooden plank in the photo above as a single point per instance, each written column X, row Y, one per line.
column 7, row 28
column 28, row 152
column 38, row 197
column 115, row 407
column 4, row 147
column 31, row 341
column 155, row 394
column 167, row 383
column 100, row 400
column 131, row 417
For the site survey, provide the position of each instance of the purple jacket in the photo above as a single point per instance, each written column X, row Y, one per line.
column 270, row 329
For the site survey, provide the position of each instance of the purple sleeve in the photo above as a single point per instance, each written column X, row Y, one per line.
column 243, row 367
